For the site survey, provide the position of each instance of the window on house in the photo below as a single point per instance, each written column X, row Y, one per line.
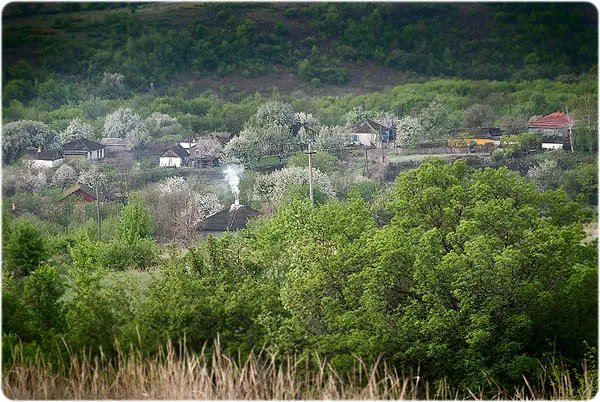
column 355, row 138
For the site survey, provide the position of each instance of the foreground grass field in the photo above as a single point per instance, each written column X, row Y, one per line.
column 176, row 373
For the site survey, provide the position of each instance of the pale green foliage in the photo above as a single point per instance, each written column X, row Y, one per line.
column 135, row 222
column 321, row 160
column 272, row 187
column 77, row 129
column 161, row 124
column 268, row 132
column 478, row 115
column 435, row 120
column 244, row 148
column 514, row 124
column 358, row 114
column 19, row 135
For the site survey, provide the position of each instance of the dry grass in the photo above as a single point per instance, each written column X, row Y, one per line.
column 175, row 373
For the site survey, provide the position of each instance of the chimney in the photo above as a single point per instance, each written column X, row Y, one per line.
column 234, row 206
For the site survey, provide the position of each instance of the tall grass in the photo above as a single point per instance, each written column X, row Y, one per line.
column 177, row 373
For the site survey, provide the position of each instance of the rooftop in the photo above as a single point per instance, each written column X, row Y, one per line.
column 553, row 120
column 48, row 155
column 82, row 144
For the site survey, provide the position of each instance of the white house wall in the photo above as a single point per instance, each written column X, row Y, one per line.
column 170, row 162
column 46, row 164
column 363, row 139
column 548, row 145
column 99, row 154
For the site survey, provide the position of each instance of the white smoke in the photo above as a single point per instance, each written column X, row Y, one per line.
column 233, row 173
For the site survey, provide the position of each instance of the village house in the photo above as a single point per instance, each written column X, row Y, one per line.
column 82, row 148
column 115, row 144
column 555, row 130
column 228, row 220
column 47, row 158
column 81, row 193
column 175, row 157
column 371, row 134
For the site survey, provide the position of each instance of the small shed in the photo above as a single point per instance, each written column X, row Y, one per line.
column 48, row 158
column 175, row 157
column 228, row 220
column 81, row 193
column 83, row 148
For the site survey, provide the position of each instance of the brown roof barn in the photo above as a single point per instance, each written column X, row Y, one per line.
column 82, row 192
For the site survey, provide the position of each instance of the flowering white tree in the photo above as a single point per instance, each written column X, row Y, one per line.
column 272, row 113
column 545, row 176
column 161, row 124
column 408, row 130
column 76, row 129
column 19, row 135
column 138, row 136
column 272, row 188
column 309, row 126
column 64, row 176
column 113, row 79
column 33, row 178
column 179, row 206
column 93, row 177
column 435, row 120
column 244, row 148
column 331, row 138
column 208, row 147
column 358, row 114
column 124, row 123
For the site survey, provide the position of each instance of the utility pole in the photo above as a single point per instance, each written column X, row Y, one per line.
column 366, row 168
column 310, row 180
column 98, row 210
column 570, row 131
column 381, row 144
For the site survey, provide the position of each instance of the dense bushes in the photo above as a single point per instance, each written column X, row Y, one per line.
column 465, row 281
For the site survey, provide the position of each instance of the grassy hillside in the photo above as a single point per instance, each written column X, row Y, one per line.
column 291, row 46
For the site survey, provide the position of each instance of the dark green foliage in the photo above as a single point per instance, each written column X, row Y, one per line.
column 582, row 183
column 41, row 295
column 485, row 41
column 25, row 248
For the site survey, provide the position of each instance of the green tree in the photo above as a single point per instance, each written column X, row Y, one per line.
column 41, row 295
column 135, row 221
column 25, row 248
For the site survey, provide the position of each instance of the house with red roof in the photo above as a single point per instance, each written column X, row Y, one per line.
column 554, row 128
